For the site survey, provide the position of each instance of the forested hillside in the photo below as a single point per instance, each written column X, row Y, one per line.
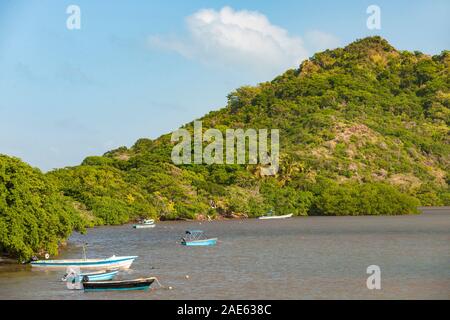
column 364, row 130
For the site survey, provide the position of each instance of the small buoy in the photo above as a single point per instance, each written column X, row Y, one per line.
column 170, row 288
column 187, row 276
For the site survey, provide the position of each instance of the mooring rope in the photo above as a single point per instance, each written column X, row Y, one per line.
column 160, row 285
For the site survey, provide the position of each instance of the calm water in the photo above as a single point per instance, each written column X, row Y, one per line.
column 299, row 258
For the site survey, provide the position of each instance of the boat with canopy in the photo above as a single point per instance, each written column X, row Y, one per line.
column 197, row 238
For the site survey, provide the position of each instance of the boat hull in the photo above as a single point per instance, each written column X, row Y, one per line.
column 199, row 243
column 102, row 277
column 124, row 285
column 91, row 264
column 95, row 276
column 143, row 226
column 276, row 217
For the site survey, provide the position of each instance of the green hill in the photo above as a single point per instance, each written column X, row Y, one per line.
column 363, row 130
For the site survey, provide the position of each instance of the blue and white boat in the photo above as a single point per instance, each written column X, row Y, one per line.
column 197, row 238
column 92, row 264
column 91, row 276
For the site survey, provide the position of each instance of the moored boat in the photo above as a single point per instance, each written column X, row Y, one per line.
column 135, row 284
column 93, row 264
column 147, row 223
column 143, row 226
column 271, row 215
column 197, row 238
column 91, row 276
column 276, row 217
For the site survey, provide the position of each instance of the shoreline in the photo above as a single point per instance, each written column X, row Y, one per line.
column 434, row 209
column 422, row 210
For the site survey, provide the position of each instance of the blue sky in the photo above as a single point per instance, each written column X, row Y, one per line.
column 143, row 68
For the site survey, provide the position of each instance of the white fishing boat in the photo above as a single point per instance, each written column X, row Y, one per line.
column 143, row 226
column 270, row 215
column 147, row 223
column 92, row 264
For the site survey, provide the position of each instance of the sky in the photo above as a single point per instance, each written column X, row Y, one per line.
column 139, row 69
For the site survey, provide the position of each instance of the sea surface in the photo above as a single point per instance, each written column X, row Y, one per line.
column 297, row 258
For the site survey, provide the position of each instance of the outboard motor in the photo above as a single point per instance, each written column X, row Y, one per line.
column 73, row 279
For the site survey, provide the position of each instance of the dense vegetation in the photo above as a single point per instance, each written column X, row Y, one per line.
column 363, row 130
column 34, row 216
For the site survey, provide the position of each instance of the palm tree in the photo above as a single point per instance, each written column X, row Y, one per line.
column 288, row 167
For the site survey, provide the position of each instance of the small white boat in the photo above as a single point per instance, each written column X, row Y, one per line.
column 276, row 217
column 147, row 223
column 93, row 264
column 144, row 226
column 270, row 216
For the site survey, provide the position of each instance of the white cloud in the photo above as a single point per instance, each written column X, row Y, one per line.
column 238, row 39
